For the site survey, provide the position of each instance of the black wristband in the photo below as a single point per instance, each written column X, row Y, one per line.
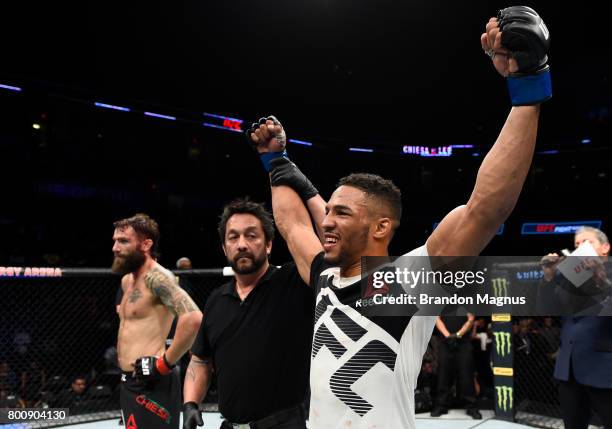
column 166, row 361
column 286, row 173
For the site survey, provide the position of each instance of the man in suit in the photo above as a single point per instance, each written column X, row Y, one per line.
column 584, row 361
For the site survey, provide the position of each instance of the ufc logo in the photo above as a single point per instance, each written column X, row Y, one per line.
column 146, row 367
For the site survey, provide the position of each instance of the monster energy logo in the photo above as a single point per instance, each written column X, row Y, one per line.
column 502, row 343
column 500, row 286
column 504, row 397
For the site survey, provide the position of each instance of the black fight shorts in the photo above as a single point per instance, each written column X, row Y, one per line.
column 153, row 405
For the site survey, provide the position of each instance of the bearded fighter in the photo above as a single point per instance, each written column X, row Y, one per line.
column 150, row 392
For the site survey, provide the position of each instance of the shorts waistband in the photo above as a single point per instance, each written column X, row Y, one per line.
column 127, row 376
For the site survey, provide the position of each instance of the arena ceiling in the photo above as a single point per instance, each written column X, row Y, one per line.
column 366, row 71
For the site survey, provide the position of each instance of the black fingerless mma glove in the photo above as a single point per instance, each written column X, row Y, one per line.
column 526, row 37
column 149, row 368
column 266, row 157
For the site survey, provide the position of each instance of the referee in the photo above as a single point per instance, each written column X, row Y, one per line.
column 256, row 333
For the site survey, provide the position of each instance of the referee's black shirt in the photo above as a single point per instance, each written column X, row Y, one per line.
column 260, row 346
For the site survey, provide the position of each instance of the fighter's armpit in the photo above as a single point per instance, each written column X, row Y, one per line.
column 164, row 286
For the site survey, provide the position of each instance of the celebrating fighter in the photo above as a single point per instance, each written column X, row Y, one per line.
column 364, row 369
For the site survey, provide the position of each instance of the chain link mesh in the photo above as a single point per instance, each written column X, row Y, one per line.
column 536, row 344
column 55, row 329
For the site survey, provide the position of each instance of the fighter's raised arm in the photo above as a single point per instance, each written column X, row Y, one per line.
column 291, row 190
column 517, row 42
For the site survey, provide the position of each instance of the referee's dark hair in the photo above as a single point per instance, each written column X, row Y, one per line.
column 383, row 192
column 245, row 205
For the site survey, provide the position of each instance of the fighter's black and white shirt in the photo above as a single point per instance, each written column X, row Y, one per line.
column 363, row 370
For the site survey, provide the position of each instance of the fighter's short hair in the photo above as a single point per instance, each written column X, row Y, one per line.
column 383, row 190
column 145, row 227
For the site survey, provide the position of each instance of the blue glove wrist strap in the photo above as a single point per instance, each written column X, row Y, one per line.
column 269, row 156
column 530, row 89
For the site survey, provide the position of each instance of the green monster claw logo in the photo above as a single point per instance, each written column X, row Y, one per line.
column 502, row 339
column 500, row 286
column 504, row 397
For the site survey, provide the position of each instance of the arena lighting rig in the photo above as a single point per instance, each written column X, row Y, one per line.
column 236, row 125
